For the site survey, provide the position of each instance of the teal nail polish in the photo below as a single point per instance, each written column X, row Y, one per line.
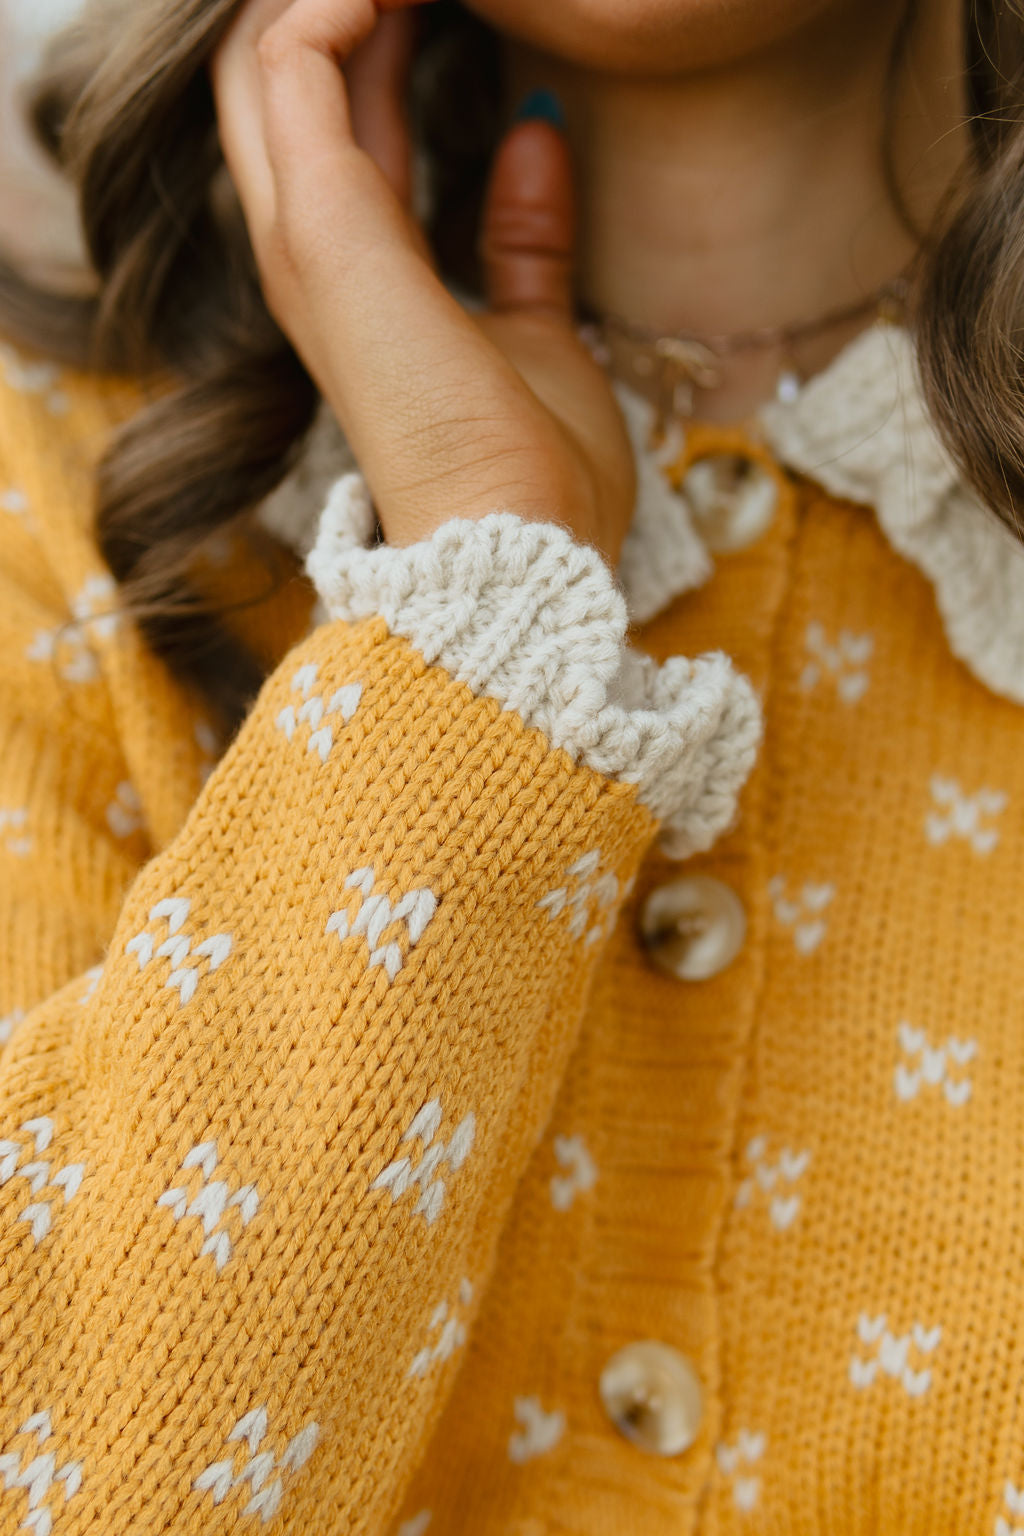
column 542, row 104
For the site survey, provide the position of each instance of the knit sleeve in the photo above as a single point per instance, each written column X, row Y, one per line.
column 253, row 1174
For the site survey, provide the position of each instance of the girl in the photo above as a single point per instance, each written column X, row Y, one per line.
column 494, row 1108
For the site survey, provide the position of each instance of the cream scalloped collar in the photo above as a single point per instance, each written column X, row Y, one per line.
column 861, row 431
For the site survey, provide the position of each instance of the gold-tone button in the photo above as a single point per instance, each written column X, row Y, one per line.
column 693, row 928
column 652, row 1395
column 732, row 499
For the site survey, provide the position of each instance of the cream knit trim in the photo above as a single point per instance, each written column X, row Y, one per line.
column 861, row 430
column 663, row 555
column 524, row 614
column 292, row 511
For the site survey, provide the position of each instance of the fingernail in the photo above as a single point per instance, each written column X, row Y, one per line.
column 542, row 104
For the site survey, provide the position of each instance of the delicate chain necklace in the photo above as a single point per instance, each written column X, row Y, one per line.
column 676, row 365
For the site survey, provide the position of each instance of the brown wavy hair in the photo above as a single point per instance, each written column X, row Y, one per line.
column 125, row 108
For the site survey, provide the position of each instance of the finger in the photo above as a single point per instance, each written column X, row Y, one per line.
column 305, row 101
column 268, row 40
column 378, row 78
column 237, row 90
column 325, row 184
column 528, row 224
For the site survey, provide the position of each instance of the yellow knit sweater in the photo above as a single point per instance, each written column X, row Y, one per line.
column 347, row 1126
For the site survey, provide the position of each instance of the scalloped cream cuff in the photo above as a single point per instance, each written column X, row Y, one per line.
column 524, row 614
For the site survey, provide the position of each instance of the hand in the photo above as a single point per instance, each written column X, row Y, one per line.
column 449, row 415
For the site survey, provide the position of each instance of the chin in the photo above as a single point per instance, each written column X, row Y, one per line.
column 648, row 36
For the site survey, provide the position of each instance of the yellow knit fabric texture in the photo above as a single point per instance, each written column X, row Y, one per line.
column 325, row 1147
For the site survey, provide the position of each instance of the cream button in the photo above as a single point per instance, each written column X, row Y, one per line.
column 653, row 1396
column 693, row 928
column 732, row 499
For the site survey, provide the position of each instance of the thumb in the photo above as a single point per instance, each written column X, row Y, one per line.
column 528, row 226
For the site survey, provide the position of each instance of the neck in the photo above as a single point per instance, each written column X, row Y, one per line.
column 756, row 196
